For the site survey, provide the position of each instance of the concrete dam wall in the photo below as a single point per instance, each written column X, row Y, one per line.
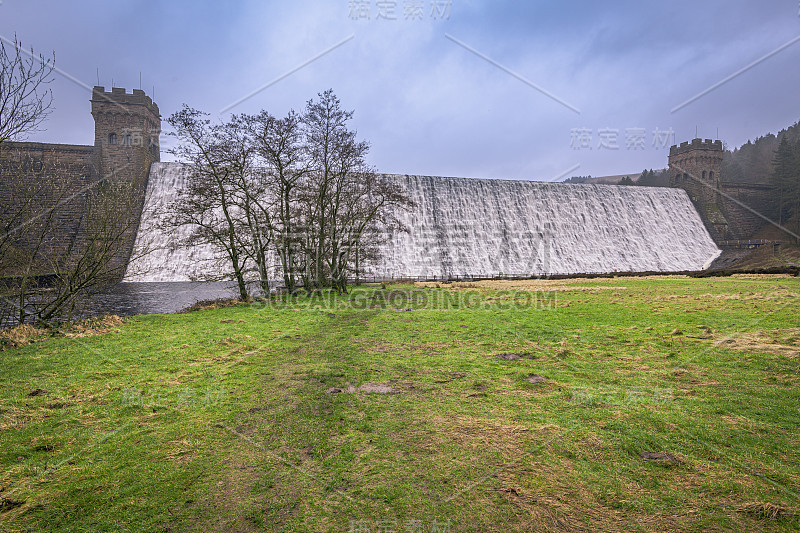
column 486, row 226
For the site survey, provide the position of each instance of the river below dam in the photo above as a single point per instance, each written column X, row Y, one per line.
column 135, row 298
column 142, row 298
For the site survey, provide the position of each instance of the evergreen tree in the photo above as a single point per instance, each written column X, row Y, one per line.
column 794, row 190
column 781, row 177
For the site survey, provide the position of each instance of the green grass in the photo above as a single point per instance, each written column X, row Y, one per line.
column 221, row 420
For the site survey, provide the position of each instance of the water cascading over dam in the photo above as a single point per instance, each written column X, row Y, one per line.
column 474, row 226
column 463, row 226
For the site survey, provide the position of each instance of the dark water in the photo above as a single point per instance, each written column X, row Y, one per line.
column 127, row 299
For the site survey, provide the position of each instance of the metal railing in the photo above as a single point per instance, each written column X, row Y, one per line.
column 749, row 243
column 489, row 277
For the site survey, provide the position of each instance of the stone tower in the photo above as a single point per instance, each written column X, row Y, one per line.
column 126, row 144
column 126, row 133
column 696, row 167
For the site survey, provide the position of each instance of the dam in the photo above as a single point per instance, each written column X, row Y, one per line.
column 479, row 227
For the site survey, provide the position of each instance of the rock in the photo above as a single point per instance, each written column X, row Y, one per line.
column 676, row 332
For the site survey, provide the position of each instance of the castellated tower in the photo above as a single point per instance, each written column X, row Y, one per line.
column 126, row 144
column 126, row 132
column 696, row 167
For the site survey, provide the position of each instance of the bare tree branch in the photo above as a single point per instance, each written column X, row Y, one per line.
column 25, row 100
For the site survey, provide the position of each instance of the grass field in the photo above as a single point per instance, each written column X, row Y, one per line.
column 628, row 404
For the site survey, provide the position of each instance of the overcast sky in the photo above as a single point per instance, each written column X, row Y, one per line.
column 497, row 89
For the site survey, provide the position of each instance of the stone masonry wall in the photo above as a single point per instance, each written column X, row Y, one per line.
column 57, row 179
column 744, row 222
column 126, row 144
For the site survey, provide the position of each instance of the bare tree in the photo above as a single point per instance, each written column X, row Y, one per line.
column 25, row 99
column 96, row 256
column 281, row 168
column 368, row 210
column 333, row 153
column 248, row 194
column 63, row 239
column 344, row 196
column 65, row 233
column 210, row 204
column 291, row 194
column 29, row 221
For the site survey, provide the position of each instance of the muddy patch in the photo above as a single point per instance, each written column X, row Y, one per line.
column 535, row 378
column 8, row 503
column 663, row 458
column 376, row 387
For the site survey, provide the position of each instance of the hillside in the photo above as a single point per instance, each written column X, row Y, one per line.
column 753, row 161
column 618, row 179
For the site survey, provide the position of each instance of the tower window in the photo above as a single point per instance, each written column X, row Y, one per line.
column 704, row 174
column 126, row 140
column 112, row 138
column 711, row 175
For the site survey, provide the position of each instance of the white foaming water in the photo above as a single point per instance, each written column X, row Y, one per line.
column 166, row 261
column 463, row 226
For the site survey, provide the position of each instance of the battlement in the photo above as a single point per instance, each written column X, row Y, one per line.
column 696, row 144
column 118, row 95
column 123, row 122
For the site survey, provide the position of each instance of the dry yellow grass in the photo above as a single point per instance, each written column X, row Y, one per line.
column 94, row 326
column 20, row 336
